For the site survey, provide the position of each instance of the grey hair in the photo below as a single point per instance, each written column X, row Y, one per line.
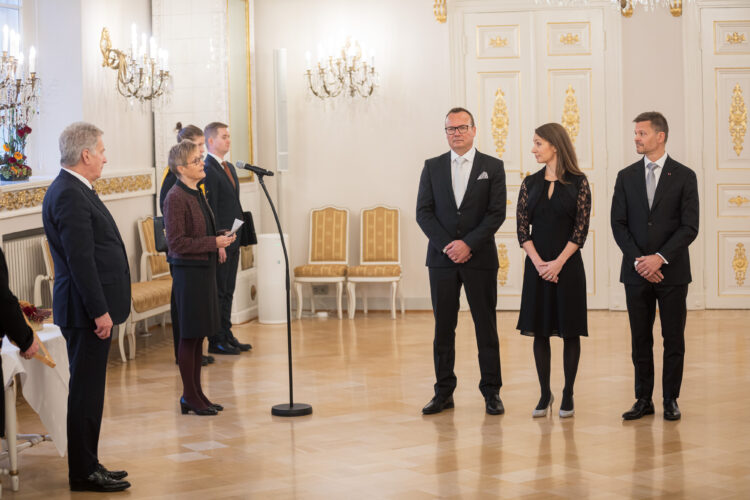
column 74, row 139
column 178, row 155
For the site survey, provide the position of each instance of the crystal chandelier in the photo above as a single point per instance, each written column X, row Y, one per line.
column 348, row 72
column 19, row 85
column 142, row 71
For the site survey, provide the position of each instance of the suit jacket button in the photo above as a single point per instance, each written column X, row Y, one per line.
column 650, row 223
column 458, row 213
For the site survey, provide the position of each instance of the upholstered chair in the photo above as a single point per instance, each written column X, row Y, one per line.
column 328, row 255
column 379, row 256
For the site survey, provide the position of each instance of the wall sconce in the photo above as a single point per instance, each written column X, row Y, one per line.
column 142, row 72
column 348, row 72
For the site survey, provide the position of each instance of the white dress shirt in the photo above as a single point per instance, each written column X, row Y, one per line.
column 657, row 175
column 460, row 171
column 79, row 177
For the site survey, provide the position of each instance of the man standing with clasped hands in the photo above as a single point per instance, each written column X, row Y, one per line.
column 91, row 295
column 460, row 206
column 654, row 220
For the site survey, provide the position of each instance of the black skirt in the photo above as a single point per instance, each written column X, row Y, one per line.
column 197, row 299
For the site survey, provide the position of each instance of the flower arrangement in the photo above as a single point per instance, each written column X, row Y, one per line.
column 35, row 315
column 13, row 160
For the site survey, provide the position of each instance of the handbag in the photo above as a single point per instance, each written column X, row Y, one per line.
column 247, row 235
column 160, row 235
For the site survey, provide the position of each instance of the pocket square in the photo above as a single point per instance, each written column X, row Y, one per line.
column 483, row 175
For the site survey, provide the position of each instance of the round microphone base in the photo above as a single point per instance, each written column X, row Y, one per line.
column 295, row 410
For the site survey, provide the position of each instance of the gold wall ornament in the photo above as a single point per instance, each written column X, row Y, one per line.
column 739, row 200
column 116, row 185
column 739, row 264
column 569, row 39
column 440, row 10
column 738, row 119
column 24, row 198
column 503, row 264
column 500, row 122
column 498, row 41
column 571, row 118
column 735, row 38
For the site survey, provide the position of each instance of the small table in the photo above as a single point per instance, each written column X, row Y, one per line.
column 44, row 388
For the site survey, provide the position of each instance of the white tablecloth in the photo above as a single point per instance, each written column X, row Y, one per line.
column 44, row 388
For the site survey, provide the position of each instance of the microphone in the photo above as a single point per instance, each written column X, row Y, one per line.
column 253, row 168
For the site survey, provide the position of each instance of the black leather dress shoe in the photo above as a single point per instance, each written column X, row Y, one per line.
column 436, row 405
column 207, row 360
column 98, row 481
column 117, row 475
column 494, row 405
column 222, row 348
column 641, row 408
column 671, row 410
column 238, row 345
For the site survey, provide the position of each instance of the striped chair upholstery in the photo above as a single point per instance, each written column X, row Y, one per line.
column 380, row 255
column 328, row 256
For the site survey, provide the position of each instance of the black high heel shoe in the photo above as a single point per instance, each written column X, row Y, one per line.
column 187, row 408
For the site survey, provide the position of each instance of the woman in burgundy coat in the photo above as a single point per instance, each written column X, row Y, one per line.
column 193, row 246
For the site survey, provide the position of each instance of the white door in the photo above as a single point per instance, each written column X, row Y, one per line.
column 524, row 69
column 725, row 46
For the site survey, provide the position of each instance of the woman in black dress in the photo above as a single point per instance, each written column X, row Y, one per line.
column 554, row 207
column 193, row 246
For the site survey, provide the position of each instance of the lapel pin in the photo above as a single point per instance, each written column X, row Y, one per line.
column 669, row 173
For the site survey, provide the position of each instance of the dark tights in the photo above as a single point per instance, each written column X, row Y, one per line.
column 189, row 359
column 542, row 356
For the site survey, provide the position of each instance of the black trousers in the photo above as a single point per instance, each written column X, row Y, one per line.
column 226, row 280
column 642, row 300
column 87, row 355
column 175, row 320
column 481, row 292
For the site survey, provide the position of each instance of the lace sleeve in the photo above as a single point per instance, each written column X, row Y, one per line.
column 583, row 213
column 522, row 215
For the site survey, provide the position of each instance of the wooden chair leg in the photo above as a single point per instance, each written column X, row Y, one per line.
column 312, row 299
column 351, row 296
column 121, row 340
column 339, row 290
column 394, row 285
column 131, row 340
column 298, row 290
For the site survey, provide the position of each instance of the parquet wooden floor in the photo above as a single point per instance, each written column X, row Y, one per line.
column 367, row 380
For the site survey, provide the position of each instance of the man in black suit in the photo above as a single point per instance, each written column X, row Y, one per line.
column 654, row 220
column 91, row 295
column 223, row 195
column 460, row 206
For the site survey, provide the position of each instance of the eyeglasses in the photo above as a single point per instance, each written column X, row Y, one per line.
column 461, row 129
column 196, row 162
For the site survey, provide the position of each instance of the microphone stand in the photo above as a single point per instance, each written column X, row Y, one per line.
column 292, row 409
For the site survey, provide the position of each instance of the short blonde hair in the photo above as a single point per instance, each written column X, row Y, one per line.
column 179, row 154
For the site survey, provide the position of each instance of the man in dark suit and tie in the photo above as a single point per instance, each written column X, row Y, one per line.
column 654, row 220
column 223, row 195
column 91, row 295
column 460, row 206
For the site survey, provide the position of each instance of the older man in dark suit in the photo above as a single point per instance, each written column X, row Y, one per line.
column 654, row 220
column 223, row 195
column 460, row 206
column 91, row 295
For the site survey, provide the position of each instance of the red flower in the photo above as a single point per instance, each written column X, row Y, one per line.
column 11, row 160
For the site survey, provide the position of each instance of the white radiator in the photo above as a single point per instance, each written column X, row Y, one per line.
column 26, row 261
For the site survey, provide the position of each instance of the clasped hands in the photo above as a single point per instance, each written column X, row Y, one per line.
column 649, row 267
column 548, row 271
column 457, row 251
column 222, row 242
